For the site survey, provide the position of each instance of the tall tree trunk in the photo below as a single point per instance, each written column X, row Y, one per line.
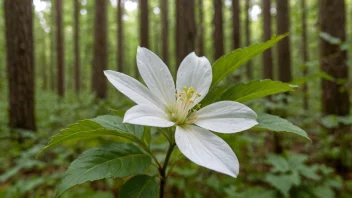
column 185, row 29
column 76, row 46
column 20, row 63
column 333, row 60
column 60, row 50
column 44, row 63
column 120, row 36
column 268, row 71
column 267, row 55
column 283, row 47
column 100, row 49
column 165, row 30
column 249, row 71
column 304, row 52
column 144, row 23
column 200, row 32
column 52, row 49
column 236, row 24
column 218, row 34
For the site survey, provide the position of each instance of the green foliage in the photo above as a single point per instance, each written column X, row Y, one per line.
column 91, row 128
column 277, row 124
column 255, row 89
column 292, row 177
column 228, row 63
column 140, row 186
column 109, row 160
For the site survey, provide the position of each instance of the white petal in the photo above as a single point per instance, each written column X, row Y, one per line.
column 147, row 116
column 194, row 72
column 226, row 117
column 156, row 75
column 206, row 149
column 133, row 89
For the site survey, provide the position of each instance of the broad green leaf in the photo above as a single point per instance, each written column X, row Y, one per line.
column 283, row 183
column 140, row 186
column 323, row 191
column 255, row 89
column 277, row 124
column 278, row 162
column 97, row 127
column 110, row 160
column 228, row 63
column 115, row 123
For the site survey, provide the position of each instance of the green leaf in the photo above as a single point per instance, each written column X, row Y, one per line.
column 228, row 63
column 255, row 89
column 140, row 186
column 97, row 127
column 323, row 191
column 278, row 162
column 115, row 123
column 110, row 160
column 277, row 124
column 283, row 183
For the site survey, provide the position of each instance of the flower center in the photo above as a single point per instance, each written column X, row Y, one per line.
column 181, row 112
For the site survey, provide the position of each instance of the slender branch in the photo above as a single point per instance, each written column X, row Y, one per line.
column 162, row 170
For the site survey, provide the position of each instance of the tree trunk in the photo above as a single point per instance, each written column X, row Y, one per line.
column 120, row 37
column 236, row 24
column 284, row 57
column 185, row 29
column 165, row 31
column 60, row 50
column 76, row 46
column 249, row 71
column 335, row 96
column 100, row 49
column 304, row 52
column 267, row 55
column 200, row 32
column 20, row 63
column 144, row 23
column 52, row 50
column 218, row 34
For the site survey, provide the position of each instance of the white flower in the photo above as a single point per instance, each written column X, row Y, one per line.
column 161, row 105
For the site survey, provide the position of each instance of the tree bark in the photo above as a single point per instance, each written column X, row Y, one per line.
column 144, row 23
column 332, row 59
column 283, row 47
column 185, row 29
column 77, row 73
column 100, row 49
column 60, row 50
column 120, row 36
column 165, row 31
column 236, row 24
column 335, row 96
column 218, row 34
column 52, row 50
column 200, row 32
column 267, row 55
column 20, row 63
column 304, row 52
column 249, row 71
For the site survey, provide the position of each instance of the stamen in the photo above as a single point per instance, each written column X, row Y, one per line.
column 181, row 112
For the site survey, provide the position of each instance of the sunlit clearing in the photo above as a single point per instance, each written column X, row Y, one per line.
column 254, row 12
column 83, row 11
column 131, row 6
column 156, row 10
column 40, row 5
column 228, row 3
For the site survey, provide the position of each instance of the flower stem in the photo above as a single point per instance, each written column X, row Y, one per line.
column 162, row 170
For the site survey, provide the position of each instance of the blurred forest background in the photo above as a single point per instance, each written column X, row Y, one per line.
column 52, row 57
